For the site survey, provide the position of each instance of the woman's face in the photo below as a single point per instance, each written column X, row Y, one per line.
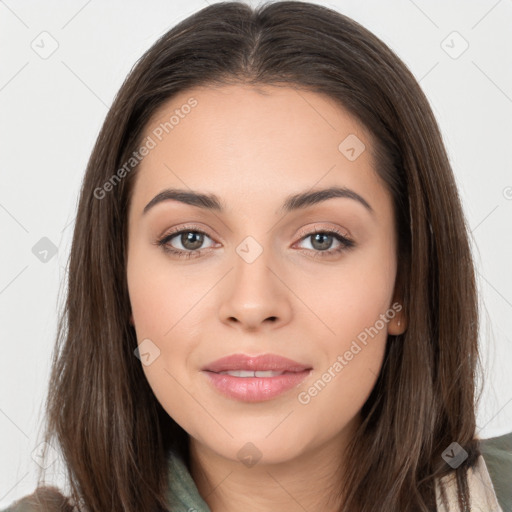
column 251, row 277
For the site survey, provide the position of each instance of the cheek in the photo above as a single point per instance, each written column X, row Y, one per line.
column 355, row 306
column 160, row 294
column 358, row 312
column 351, row 297
column 160, row 303
column 145, row 288
column 164, row 303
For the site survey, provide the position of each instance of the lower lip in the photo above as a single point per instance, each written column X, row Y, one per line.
column 255, row 389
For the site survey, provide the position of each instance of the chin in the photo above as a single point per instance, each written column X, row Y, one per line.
column 258, row 448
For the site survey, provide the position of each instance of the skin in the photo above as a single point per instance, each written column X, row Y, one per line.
column 252, row 148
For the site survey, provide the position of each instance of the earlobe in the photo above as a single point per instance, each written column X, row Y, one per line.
column 398, row 324
column 131, row 320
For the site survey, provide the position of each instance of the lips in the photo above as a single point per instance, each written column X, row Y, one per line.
column 242, row 364
column 255, row 378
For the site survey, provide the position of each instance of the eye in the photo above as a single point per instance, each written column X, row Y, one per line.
column 323, row 239
column 190, row 240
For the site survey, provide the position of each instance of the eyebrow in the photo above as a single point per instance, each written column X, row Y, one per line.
column 291, row 203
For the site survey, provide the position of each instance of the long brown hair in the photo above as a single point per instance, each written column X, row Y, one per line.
column 113, row 433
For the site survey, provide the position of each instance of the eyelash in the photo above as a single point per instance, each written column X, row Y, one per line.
column 345, row 243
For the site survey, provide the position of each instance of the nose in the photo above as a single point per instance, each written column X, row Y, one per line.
column 255, row 296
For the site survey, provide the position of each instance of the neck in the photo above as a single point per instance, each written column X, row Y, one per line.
column 310, row 481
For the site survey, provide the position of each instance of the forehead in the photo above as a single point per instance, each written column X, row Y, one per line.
column 247, row 142
column 229, row 113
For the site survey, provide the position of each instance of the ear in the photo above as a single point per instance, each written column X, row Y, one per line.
column 398, row 324
column 131, row 320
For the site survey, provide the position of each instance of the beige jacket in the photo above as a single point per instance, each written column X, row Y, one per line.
column 482, row 495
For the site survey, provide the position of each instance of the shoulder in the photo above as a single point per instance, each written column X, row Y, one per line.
column 47, row 499
column 497, row 453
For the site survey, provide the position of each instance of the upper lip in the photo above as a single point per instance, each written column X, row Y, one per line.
column 255, row 363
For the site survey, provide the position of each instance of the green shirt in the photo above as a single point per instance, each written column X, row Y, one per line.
column 497, row 453
column 183, row 495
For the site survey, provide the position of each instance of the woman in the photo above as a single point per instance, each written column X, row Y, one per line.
column 271, row 298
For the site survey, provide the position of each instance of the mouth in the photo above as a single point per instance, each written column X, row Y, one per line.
column 249, row 373
column 255, row 364
column 255, row 378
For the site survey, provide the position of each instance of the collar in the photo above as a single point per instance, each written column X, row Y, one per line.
column 184, row 495
column 182, row 490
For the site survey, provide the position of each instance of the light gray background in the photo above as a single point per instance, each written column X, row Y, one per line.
column 51, row 110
